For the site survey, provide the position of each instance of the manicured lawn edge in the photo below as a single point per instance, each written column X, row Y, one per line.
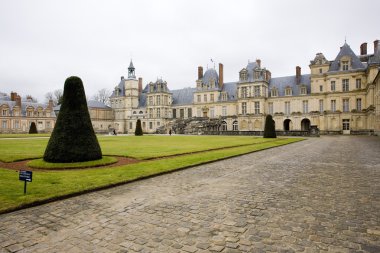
column 147, row 175
column 41, row 164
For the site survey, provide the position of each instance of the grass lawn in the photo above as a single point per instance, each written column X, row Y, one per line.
column 48, row 185
column 140, row 147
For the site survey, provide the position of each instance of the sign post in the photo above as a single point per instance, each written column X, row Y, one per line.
column 25, row 176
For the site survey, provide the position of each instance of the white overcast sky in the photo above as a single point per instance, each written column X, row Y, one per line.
column 42, row 42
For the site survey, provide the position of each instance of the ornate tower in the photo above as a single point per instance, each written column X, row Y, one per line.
column 131, row 71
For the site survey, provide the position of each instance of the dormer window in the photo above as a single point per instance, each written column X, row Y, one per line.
column 344, row 65
column 303, row 91
column 243, row 75
column 288, row 91
column 274, row 92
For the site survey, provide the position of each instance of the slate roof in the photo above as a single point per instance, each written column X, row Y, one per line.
column 90, row 104
column 183, row 96
column 208, row 76
column 230, row 88
column 282, row 82
column 345, row 50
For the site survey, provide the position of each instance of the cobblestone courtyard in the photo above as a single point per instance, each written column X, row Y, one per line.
column 318, row 195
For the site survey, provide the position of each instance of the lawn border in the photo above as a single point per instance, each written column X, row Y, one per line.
column 99, row 188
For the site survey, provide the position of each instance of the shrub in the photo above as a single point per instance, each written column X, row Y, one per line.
column 33, row 128
column 269, row 129
column 138, row 130
column 73, row 138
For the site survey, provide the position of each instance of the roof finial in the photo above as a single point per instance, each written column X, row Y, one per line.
column 345, row 37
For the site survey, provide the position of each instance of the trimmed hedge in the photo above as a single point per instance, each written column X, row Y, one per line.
column 33, row 128
column 138, row 130
column 73, row 138
column 269, row 129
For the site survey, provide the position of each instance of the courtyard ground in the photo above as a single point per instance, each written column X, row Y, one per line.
column 318, row 195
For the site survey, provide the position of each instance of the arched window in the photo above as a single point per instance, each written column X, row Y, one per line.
column 235, row 126
column 224, row 126
column 274, row 92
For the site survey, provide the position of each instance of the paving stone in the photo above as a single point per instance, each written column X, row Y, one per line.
column 318, row 195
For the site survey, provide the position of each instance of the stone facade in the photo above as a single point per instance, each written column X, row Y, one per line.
column 340, row 96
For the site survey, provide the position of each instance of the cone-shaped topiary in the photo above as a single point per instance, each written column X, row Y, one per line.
column 33, row 128
column 73, row 138
column 269, row 129
column 138, row 130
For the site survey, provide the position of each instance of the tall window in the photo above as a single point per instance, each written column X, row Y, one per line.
column 235, row 126
column 359, row 104
column 321, row 105
column 4, row 112
column 150, row 100
column 332, row 85
column 150, row 113
column 158, row 100
column 212, row 97
column 305, row 106
column 287, row 108
column 181, row 113
column 199, row 111
column 224, row 111
column 198, row 98
column 189, row 113
column 244, row 92
column 205, row 98
column 47, row 124
column 212, row 112
column 158, row 113
column 174, row 113
column 274, row 92
column 244, row 108
column 270, row 108
column 303, row 90
column 358, row 83
column 346, row 105
column 150, row 125
column 130, row 125
column 224, row 96
column 344, row 65
column 333, row 105
column 257, row 91
column 4, row 124
column 345, row 85
column 257, row 107
column 320, row 88
column 288, row 91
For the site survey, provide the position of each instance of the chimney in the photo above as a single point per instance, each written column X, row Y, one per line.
column 363, row 48
column 13, row 96
column 140, row 85
column 200, row 72
column 258, row 62
column 18, row 100
column 375, row 46
column 298, row 74
column 221, row 76
column 50, row 105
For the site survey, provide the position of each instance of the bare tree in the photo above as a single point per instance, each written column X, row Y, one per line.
column 103, row 96
column 56, row 96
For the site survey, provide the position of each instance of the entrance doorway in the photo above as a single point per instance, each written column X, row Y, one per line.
column 305, row 125
column 287, row 124
column 346, row 126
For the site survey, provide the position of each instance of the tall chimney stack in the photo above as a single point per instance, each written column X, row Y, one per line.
column 258, row 62
column 200, row 72
column 221, row 76
column 140, row 85
column 375, row 46
column 18, row 100
column 363, row 48
column 50, row 105
column 298, row 74
column 13, row 96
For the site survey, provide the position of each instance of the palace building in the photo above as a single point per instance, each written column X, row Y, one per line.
column 339, row 96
